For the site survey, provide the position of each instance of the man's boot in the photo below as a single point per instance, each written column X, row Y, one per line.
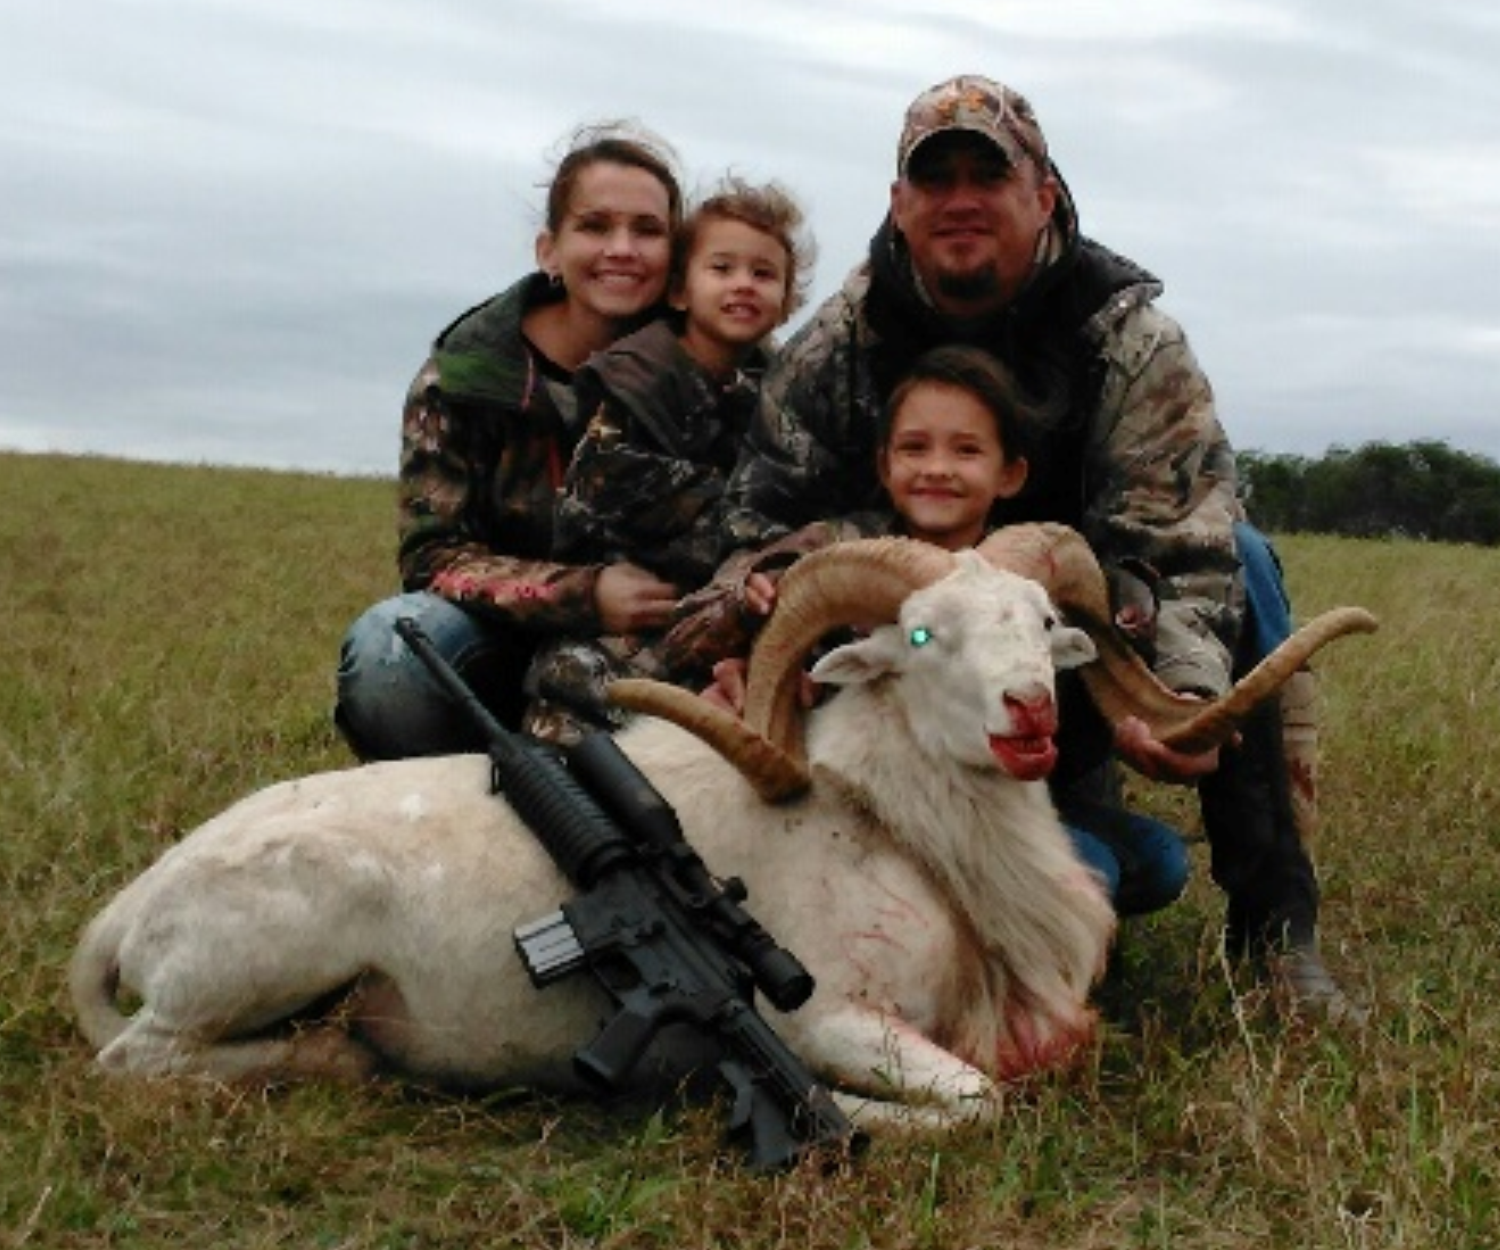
column 1261, row 863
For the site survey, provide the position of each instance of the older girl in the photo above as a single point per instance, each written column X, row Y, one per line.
column 950, row 454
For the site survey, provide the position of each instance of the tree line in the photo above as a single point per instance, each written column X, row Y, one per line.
column 1423, row 490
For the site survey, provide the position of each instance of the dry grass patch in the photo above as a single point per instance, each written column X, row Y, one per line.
column 171, row 643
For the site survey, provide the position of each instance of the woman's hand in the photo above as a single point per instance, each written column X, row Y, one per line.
column 630, row 599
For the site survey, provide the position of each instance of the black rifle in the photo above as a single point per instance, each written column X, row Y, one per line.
column 667, row 941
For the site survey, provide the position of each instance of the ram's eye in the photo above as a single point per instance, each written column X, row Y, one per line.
column 920, row 636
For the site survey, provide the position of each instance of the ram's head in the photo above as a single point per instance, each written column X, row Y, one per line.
column 975, row 653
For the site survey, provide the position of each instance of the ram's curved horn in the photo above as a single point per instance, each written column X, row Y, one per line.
column 863, row 581
column 860, row 582
column 775, row 774
column 1120, row 683
column 1215, row 723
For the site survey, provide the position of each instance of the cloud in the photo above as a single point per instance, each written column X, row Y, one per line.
column 232, row 228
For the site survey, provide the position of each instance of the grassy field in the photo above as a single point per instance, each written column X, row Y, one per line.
column 169, row 644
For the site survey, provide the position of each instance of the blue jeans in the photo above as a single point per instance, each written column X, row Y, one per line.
column 1268, row 614
column 1143, row 862
column 391, row 707
column 1257, row 857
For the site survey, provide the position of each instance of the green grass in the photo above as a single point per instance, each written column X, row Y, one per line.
column 169, row 645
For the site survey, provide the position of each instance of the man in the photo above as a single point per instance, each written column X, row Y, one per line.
column 981, row 245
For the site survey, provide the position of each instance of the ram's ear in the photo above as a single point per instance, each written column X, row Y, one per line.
column 857, row 662
column 1071, row 648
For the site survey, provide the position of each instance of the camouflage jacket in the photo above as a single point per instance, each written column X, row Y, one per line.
column 712, row 623
column 484, row 443
column 1131, row 453
column 646, row 483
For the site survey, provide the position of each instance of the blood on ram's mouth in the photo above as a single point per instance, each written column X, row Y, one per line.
column 1024, row 758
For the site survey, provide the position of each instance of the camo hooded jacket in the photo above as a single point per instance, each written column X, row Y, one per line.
column 1131, row 451
column 646, row 483
column 484, row 442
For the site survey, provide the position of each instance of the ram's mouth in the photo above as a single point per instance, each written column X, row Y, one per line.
column 1024, row 757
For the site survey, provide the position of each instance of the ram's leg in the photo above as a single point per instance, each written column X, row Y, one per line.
column 151, row 1047
column 890, row 1075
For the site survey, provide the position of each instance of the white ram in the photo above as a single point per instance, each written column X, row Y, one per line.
column 912, row 860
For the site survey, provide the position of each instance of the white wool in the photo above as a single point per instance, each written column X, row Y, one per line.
column 935, row 899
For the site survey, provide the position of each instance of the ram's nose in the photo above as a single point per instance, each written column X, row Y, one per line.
column 1032, row 711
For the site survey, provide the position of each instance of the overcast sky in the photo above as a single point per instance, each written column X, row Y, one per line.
column 229, row 229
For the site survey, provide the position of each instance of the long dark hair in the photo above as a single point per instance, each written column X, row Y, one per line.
column 974, row 370
column 618, row 143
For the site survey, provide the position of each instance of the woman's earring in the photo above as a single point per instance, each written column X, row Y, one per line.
column 555, row 279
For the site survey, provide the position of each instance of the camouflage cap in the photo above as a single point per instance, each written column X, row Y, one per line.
column 981, row 106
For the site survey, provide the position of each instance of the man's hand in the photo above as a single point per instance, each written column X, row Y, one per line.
column 630, row 599
column 1138, row 747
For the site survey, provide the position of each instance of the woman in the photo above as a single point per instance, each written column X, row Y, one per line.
column 487, row 432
